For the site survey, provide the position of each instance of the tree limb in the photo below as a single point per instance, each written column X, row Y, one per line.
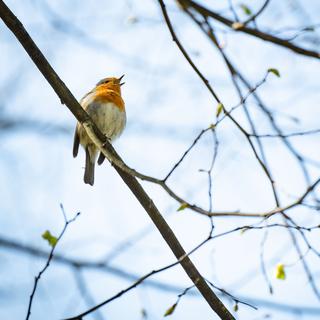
column 241, row 27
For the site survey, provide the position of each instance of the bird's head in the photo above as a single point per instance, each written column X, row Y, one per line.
column 111, row 83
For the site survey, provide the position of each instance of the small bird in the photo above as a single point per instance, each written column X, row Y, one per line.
column 106, row 108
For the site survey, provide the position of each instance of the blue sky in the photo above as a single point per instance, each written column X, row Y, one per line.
column 167, row 106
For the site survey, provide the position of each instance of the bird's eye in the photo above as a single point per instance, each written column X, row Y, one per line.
column 106, row 81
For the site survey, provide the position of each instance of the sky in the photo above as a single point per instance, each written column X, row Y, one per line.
column 167, row 106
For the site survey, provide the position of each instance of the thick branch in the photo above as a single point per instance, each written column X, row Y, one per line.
column 68, row 99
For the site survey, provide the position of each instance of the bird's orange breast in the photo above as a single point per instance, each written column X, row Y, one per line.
column 103, row 95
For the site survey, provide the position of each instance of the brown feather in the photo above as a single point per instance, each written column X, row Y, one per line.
column 101, row 158
column 76, row 142
column 89, row 170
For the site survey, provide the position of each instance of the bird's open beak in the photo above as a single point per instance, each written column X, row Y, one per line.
column 119, row 79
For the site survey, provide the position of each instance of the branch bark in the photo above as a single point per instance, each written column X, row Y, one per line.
column 69, row 100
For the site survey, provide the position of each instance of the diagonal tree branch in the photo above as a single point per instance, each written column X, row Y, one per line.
column 68, row 99
column 184, row 52
column 46, row 266
column 241, row 27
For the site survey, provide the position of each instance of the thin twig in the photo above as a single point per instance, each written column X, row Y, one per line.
column 262, row 261
column 255, row 16
column 37, row 278
column 184, row 52
column 254, row 32
column 288, row 135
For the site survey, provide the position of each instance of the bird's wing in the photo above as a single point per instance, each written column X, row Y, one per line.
column 84, row 97
column 76, row 142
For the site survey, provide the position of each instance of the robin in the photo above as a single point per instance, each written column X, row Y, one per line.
column 106, row 108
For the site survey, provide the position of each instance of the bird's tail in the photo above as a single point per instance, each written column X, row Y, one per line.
column 89, row 169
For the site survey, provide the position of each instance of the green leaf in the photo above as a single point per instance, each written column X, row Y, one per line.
column 236, row 307
column 52, row 240
column 274, row 71
column 243, row 230
column 280, row 272
column 183, row 206
column 219, row 109
column 170, row 310
column 246, row 9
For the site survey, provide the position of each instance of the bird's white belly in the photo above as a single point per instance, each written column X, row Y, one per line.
column 108, row 117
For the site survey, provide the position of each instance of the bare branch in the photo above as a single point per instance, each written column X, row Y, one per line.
column 184, row 52
column 241, row 28
column 37, row 278
column 253, row 17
